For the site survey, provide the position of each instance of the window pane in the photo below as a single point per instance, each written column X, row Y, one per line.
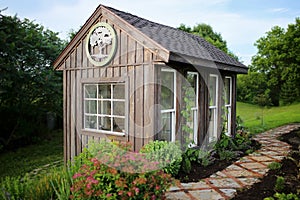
column 212, row 124
column 119, row 91
column 91, row 106
column 119, row 108
column 104, row 92
column 191, row 89
column 167, row 88
column 104, row 123
column 227, row 90
column 166, row 132
column 212, row 90
column 119, row 125
column 90, row 91
column 90, row 122
column 104, row 107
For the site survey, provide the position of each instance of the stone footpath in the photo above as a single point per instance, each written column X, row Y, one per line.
column 242, row 174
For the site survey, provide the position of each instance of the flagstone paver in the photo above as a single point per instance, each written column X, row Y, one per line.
column 243, row 173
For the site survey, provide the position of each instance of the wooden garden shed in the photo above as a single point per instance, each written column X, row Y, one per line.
column 129, row 79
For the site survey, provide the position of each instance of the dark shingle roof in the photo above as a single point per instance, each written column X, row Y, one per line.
column 177, row 41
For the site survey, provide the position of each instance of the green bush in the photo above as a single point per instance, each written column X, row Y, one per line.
column 283, row 196
column 279, row 185
column 167, row 154
column 195, row 155
column 274, row 165
column 114, row 175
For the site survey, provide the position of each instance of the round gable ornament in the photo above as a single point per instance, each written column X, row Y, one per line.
column 101, row 44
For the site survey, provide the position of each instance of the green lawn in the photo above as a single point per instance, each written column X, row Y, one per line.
column 252, row 116
column 26, row 159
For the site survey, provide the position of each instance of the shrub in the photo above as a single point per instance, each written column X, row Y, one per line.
column 118, row 174
column 167, row 154
column 195, row 155
column 274, row 165
column 279, row 185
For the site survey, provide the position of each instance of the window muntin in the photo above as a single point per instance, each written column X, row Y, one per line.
column 104, row 108
column 167, row 101
column 228, row 104
column 213, row 107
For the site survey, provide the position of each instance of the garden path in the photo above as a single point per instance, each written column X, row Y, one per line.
column 243, row 173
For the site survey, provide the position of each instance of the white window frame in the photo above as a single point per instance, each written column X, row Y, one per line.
column 228, row 106
column 97, row 115
column 172, row 111
column 214, row 108
column 195, row 111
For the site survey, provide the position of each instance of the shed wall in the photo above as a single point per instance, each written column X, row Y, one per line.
column 132, row 64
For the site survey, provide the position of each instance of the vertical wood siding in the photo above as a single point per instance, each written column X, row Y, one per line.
column 132, row 63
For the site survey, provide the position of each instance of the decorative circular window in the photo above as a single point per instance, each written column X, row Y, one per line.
column 101, row 44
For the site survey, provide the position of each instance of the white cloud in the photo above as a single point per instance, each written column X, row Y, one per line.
column 278, row 10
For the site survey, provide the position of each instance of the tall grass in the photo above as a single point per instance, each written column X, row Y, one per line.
column 257, row 119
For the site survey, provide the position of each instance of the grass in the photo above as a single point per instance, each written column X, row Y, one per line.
column 26, row 159
column 252, row 116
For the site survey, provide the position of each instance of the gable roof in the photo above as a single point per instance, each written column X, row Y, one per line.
column 181, row 46
column 177, row 41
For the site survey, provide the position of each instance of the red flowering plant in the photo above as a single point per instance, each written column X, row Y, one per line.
column 114, row 172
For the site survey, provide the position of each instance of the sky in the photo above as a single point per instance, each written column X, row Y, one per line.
column 240, row 22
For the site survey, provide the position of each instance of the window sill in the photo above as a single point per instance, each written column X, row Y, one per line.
column 104, row 132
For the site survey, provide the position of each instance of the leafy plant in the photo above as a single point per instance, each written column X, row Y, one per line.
column 279, row 185
column 166, row 154
column 95, row 179
column 195, row 155
column 274, row 165
column 283, row 196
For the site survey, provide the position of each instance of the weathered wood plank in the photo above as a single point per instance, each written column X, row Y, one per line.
column 73, row 114
column 131, row 98
column 131, row 51
column 123, row 47
column 139, row 107
column 149, row 105
column 65, row 121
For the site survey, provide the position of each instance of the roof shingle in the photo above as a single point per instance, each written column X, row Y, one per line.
column 178, row 41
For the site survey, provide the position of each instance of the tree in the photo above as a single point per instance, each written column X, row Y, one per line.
column 251, row 85
column 278, row 58
column 206, row 32
column 29, row 87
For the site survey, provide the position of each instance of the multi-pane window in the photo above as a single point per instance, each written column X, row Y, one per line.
column 104, row 108
column 167, row 102
column 228, row 103
column 191, row 101
column 213, row 107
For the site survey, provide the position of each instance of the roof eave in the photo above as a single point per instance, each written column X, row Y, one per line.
column 199, row 62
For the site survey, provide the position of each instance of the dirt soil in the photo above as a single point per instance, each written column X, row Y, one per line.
column 289, row 171
column 200, row 172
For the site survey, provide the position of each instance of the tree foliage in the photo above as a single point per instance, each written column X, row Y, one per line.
column 278, row 61
column 206, row 32
column 29, row 87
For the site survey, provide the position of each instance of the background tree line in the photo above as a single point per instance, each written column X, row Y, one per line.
column 29, row 87
column 274, row 75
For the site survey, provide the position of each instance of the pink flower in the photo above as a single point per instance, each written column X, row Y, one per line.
column 157, row 187
column 76, row 175
column 89, row 186
column 129, row 194
column 108, row 195
column 137, row 190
